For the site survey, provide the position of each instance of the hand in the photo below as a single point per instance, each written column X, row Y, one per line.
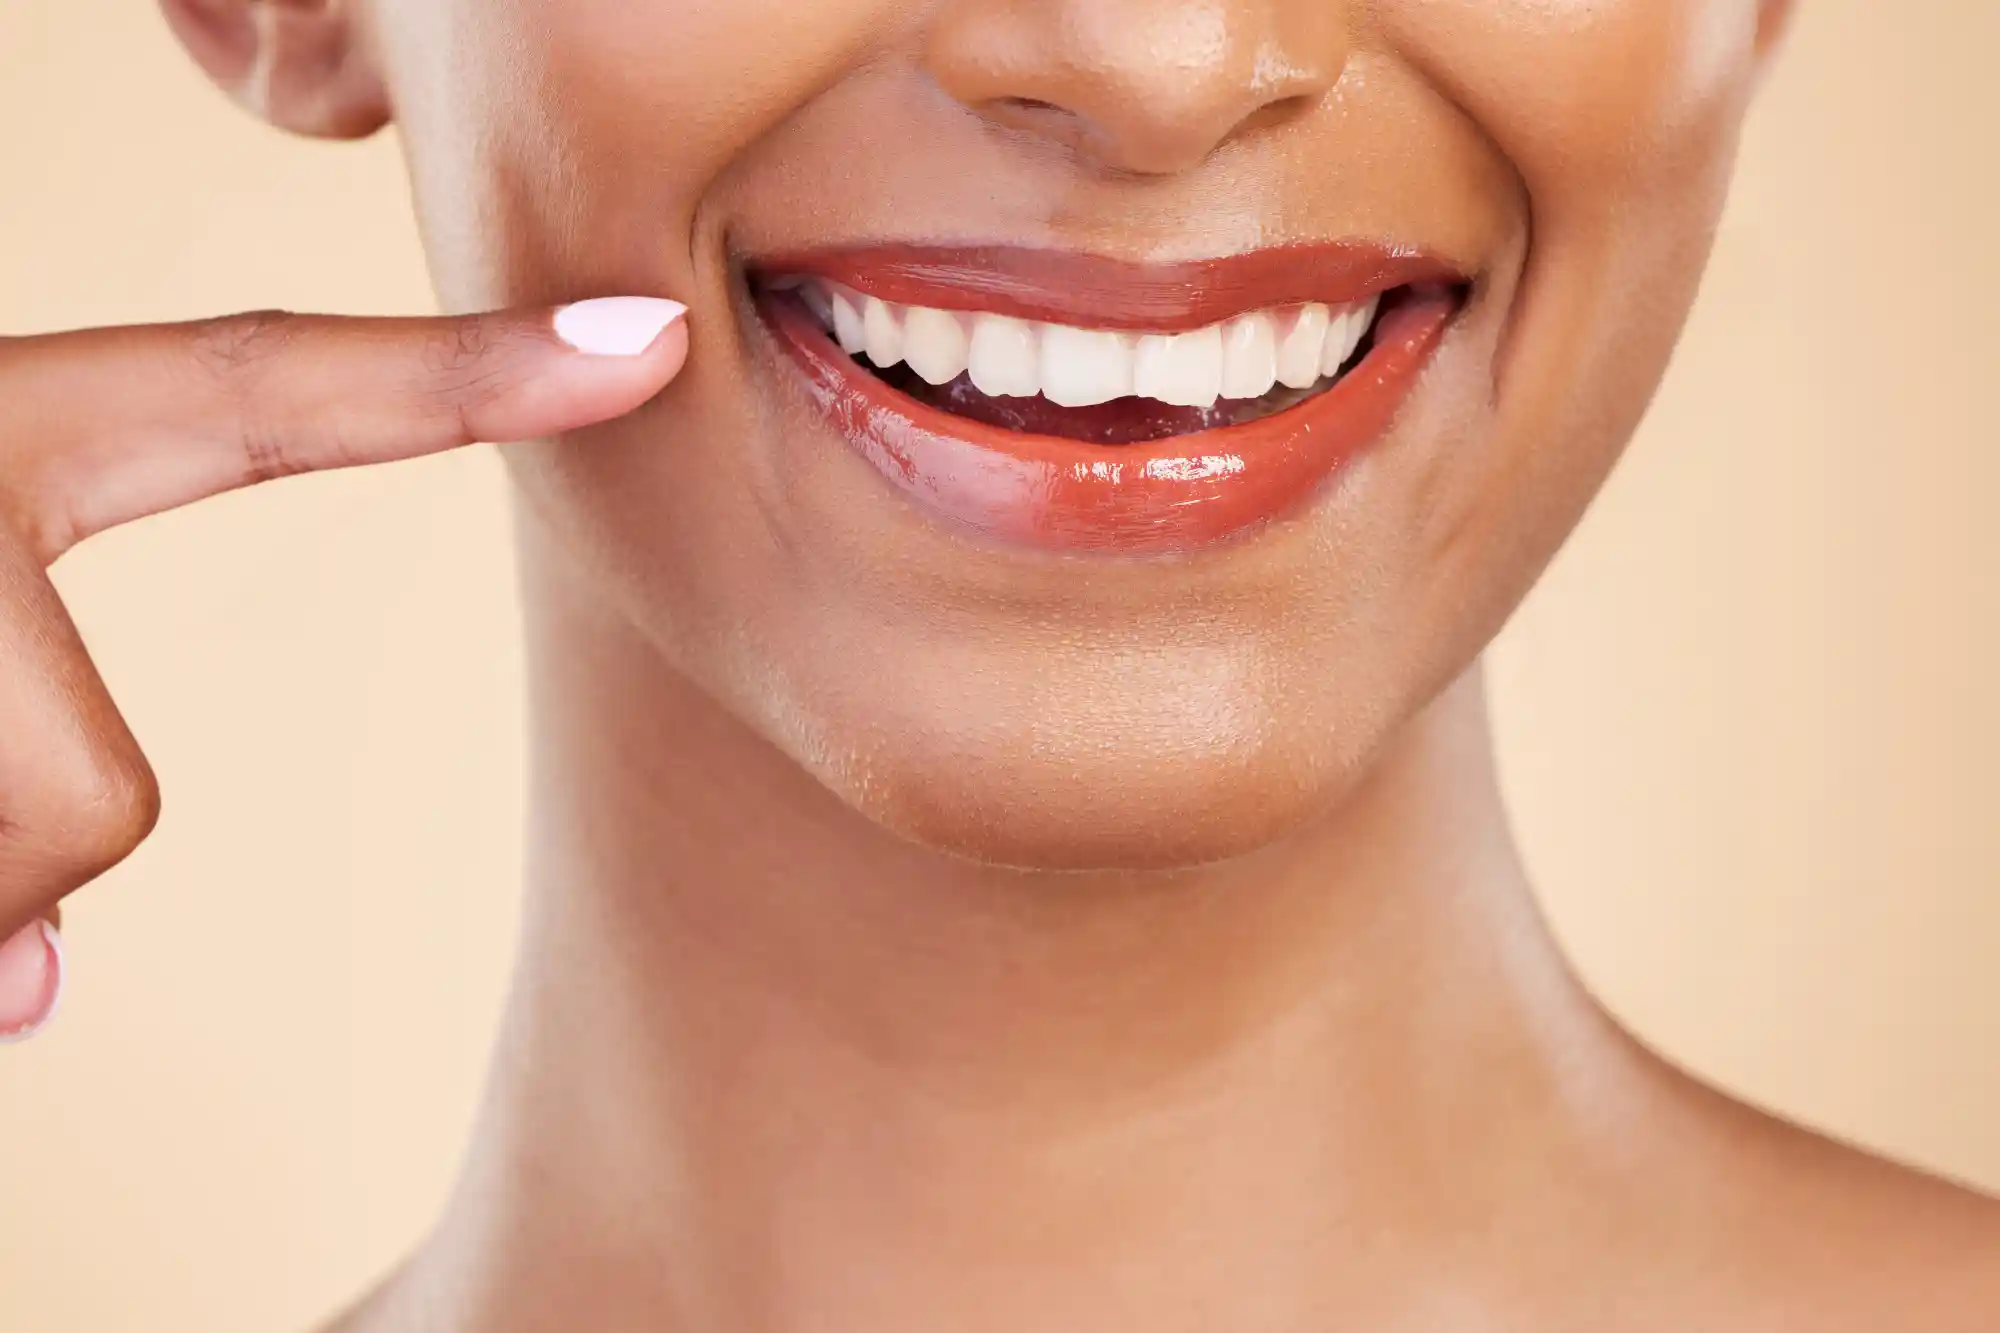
column 102, row 427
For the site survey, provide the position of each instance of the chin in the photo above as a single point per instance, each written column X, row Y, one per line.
column 1134, row 756
column 1110, row 804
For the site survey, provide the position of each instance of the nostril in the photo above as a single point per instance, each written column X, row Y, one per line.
column 1028, row 104
column 1280, row 112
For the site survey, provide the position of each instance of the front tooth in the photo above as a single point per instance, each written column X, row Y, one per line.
column 1300, row 350
column 884, row 332
column 847, row 330
column 934, row 343
column 1184, row 369
column 1003, row 359
column 1339, row 341
column 1345, row 333
column 1081, row 367
column 1249, row 356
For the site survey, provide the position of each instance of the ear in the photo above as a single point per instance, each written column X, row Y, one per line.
column 1774, row 20
column 300, row 64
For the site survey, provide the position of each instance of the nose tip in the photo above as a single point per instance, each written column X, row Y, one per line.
column 1149, row 87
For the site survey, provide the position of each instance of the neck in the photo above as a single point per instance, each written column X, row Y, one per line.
column 769, row 1068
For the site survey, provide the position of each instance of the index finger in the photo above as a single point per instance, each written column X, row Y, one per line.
column 104, row 426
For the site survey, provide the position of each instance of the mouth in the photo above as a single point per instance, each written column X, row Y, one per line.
column 1076, row 403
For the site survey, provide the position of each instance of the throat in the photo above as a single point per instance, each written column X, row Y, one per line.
column 809, row 1054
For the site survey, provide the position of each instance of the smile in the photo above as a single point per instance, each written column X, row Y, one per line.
column 1077, row 403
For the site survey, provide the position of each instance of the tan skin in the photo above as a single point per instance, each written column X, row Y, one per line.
column 1241, row 1014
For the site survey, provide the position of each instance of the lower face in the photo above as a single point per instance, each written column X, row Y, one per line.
column 1070, row 471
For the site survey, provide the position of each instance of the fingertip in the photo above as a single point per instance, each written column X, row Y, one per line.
column 631, row 346
column 670, row 348
column 619, row 326
column 607, row 385
column 595, row 361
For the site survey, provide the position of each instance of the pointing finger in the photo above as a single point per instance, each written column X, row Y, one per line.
column 101, row 427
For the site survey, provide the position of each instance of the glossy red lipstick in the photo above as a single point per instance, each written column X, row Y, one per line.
column 1167, row 495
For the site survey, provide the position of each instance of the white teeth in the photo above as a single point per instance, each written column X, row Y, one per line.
column 1239, row 358
column 847, row 330
column 1184, row 369
column 1249, row 356
column 1081, row 367
column 1302, row 346
column 818, row 299
column 935, row 344
column 1345, row 332
column 1004, row 360
column 884, row 331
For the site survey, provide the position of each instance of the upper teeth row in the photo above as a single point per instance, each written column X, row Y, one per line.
column 1241, row 357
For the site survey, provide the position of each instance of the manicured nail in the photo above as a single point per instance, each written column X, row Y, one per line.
column 31, row 980
column 616, row 325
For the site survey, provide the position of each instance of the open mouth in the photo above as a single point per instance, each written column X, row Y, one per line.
column 1101, row 386
column 1079, row 403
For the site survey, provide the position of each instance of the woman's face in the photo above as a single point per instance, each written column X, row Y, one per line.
column 1070, row 653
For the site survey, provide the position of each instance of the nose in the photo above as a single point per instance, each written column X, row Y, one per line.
column 1148, row 87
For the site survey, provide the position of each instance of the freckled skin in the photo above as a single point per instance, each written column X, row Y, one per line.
column 926, row 933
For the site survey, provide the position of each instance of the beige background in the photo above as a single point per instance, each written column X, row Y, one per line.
column 1746, row 721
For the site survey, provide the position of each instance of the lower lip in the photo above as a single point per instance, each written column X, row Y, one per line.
column 1170, row 495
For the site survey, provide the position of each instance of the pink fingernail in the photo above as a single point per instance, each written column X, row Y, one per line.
column 616, row 325
column 31, row 982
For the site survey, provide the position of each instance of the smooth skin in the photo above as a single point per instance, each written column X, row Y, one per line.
column 923, row 933
column 106, row 426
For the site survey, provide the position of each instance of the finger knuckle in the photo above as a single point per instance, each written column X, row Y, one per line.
column 270, row 451
column 111, row 813
column 234, row 345
column 31, row 523
column 87, row 817
column 472, row 362
column 238, row 352
column 462, row 347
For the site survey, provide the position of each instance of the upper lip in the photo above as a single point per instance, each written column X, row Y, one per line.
column 1092, row 291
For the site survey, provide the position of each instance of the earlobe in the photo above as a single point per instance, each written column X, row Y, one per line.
column 300, row 64
column 1774, row 20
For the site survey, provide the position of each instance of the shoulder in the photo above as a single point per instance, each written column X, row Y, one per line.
column 1813, row 1233
column 1919, row 1252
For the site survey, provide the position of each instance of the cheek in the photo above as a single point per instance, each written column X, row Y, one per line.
column 556, row 145
column 1619, row 117
column 1585, row 97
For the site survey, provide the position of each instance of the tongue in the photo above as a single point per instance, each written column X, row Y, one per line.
column 1120, row 421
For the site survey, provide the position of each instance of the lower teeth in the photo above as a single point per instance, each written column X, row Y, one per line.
column 1121, row 421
